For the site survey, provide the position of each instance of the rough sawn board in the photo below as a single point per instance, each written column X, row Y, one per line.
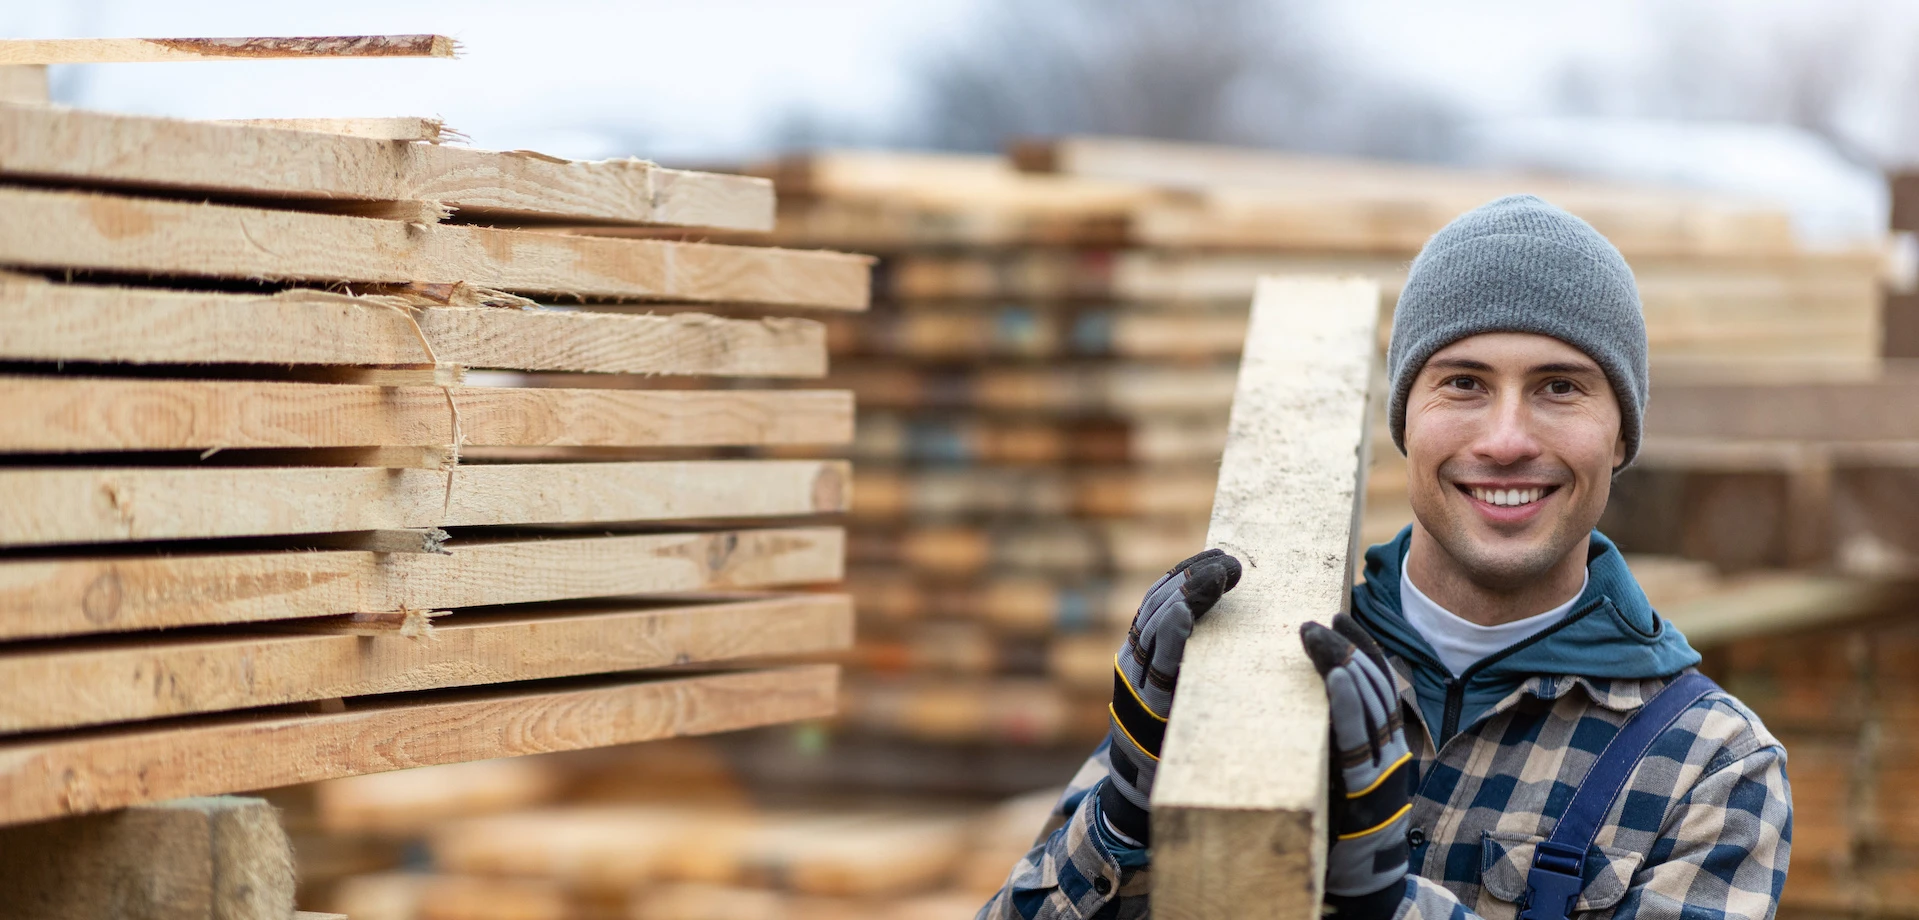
column 1239, row 818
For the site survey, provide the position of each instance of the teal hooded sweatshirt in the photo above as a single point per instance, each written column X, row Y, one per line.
column 1611, row 632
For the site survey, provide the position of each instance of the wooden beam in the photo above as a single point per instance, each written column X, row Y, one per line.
column 63, row 597
column 23, row 84
column 48, row 776
column 41, row 321
column 112, row 233
column 1874, row 410
column 395, row 128
column 148, row 50
column 219, row 858
column 1239, row 822
column 883, row 494
column 289, row 166
column 61, row 414
column 54, row 506
column 1102, row 388
column 94, row 683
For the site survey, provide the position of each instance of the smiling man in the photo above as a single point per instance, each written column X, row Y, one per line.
column 1515, row 731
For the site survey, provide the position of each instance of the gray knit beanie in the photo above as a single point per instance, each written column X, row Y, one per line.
column 1522, row 265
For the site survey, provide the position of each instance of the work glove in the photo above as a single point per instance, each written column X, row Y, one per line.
column 1371, row 796
column 1144, row 672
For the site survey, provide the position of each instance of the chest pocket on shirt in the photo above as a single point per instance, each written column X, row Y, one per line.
column 1505, row 860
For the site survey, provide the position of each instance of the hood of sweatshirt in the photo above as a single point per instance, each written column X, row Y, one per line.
column 1611, row 632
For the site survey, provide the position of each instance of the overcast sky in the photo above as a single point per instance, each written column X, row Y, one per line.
column 699, row 79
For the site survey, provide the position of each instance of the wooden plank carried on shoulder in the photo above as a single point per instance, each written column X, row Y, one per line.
column 151, row 678
column 118, row 234
column 151, row 50
column 295, row 166
column 1239, row 819
column 42, row 597
column 217, row 858
column 43, row 321
column 48, row 776
column 60, row 505
column 67, row 414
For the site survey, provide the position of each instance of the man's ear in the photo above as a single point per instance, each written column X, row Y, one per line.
column 1619, row 449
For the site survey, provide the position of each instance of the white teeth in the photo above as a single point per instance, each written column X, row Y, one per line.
column 1509, row 497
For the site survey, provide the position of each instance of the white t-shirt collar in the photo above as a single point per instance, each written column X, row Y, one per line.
column 1462, row 643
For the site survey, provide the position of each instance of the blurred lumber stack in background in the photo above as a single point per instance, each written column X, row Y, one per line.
column 1044, row 379
column 660, row 832
column 302, row 480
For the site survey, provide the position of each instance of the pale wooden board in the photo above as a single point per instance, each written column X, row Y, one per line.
column 1239, row 818
column 610, row 849
column 147, row 50
column 113, row 233
column 882, row 494
column 390, row 128
column 23, row 84
column 290, row 165
column 77, row 596
column 61, row 414
column 1247, row 197
column 217, row 858
column 49, row 776
column 41, row 321
column 61, row 505
column 93, row 683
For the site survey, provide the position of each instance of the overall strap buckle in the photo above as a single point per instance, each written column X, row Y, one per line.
column 1554, row 882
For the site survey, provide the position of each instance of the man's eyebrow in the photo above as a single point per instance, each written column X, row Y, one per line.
column 1459, row 364
column 1565, row 367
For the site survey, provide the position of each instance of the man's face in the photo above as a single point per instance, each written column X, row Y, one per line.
column 1511, row 439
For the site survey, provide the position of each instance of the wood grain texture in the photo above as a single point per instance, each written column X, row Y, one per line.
column 1239, row 818
column 94, row 683
column 61, row 414
column 216, row 858
column 112, row 233
column 153, row 50
column 77, row 322
column 391, row 128
column 49, row 776
column 289, row 165
column 58, row 505
column 60, row 597
column 23, row 84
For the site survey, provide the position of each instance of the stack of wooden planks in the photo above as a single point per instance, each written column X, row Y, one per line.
column 1044, row 381
column 302, row 480
column 623, row 835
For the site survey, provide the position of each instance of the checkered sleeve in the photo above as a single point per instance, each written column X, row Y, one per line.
column 1722, row 854
column 1725, row 847
column 1079, row 871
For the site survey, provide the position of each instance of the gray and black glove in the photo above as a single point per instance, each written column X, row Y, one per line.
column 1371, row 772
column 1144, row 673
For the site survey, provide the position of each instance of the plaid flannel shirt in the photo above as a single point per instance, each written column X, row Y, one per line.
column 1702, row 830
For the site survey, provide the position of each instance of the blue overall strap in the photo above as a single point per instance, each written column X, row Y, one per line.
column 1556, row 877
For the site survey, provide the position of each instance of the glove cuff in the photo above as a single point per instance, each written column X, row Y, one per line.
column 1127, row 818
column 1380, row 905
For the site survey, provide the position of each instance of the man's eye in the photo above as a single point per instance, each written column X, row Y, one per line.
column 1463, row 383
column 1560, row 387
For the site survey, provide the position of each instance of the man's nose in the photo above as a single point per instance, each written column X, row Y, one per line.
column 1508, row 437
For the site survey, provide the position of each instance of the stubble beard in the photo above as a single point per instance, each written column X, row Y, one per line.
column 1493, row 562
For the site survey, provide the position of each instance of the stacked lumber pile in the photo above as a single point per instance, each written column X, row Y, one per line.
column 1044, row 380
column 664, row 833
column 302, row 481
column 1826, row 662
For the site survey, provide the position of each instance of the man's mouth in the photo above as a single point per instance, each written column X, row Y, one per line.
column 1507, row 498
